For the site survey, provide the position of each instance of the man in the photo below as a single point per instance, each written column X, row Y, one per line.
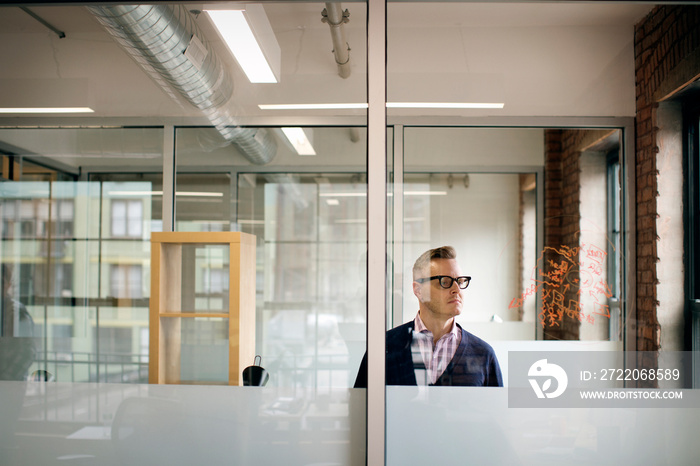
column 433, row 349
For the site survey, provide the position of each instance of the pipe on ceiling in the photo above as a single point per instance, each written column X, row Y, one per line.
column 336, row 18
column 157, row 37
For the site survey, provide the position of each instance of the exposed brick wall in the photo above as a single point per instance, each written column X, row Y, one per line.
column 562, row 219
column 571, row 226
column 553, row 212
column 666, row 59
column 562, row 225
column 552, row 188
column 563, row 150
column 571, row 188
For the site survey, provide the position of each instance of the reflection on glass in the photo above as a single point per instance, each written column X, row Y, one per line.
column 203, row 202
column 579, row 274
column 122, row 350
column 311, row 233
column 133, row 205
column 311, row 273
column 87, row 294
column 205, row 278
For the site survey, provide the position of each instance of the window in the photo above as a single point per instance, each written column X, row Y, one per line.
column 691, row 121
column 127, row 218
column 614, row 243
column 126, row 281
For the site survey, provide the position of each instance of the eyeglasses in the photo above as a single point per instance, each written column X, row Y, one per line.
column 446, row 281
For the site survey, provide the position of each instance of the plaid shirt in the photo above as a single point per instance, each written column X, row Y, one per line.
column 430, row 361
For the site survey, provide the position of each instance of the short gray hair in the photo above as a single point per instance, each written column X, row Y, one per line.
column 423, row 262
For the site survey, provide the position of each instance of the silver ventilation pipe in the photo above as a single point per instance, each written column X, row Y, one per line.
column 166, row 42
column 334, row 15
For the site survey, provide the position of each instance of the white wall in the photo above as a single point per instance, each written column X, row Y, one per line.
column 442, row 149
column 593, row 209
column 481, row 221
column 553, row 59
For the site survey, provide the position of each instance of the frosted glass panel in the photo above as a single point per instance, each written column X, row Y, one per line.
column 179, row 425
column 476, row 425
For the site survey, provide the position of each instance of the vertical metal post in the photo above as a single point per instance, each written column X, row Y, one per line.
column 97, row 346
column 396, row 317
column 376, row 230
column 100, row 238
column 539, row 330
column 168, row 208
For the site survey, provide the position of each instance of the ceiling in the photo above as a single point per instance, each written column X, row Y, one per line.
column 567, row 59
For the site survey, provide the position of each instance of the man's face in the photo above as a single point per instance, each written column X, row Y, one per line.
column 440, row 302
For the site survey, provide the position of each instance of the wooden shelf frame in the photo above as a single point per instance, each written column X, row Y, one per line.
column 165, row 303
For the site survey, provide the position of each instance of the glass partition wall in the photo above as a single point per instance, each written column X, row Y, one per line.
column 510, row 233
column 541, row 213
column 186, row 142
column 310, row 228
column 503, row 129
column 75, row 250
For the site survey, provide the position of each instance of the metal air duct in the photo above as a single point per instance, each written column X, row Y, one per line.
column 166, row 42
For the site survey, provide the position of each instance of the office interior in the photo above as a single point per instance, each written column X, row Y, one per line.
column 540, row 139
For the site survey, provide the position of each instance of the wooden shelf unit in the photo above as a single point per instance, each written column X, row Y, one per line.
column 167, row 314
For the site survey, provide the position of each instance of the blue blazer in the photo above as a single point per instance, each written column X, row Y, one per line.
column 473, row 365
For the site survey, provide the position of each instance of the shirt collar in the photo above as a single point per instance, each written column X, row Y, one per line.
column 420, row 327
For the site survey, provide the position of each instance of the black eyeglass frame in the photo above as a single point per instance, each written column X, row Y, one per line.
column 440, row 279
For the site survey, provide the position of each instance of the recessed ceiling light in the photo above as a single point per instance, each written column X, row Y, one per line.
column 339, row 106
column 343, row 106
column 160, row 193
column 249, row 36
column 443, row 105
column 342, row 194
column 425, row 193
column 300, row 139
column 47, row 110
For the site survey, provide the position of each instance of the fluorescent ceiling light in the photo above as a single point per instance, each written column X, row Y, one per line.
column 406, row 193
column 160, row 193
column 135, row 193
column 209, row 222
column 443, row 105
column 312, row 106
column 342, row 194
column 251, row 222
column 332, row 202
column 249, row 36
column 196, row 194
column 425, row 193
column 47, row 110
column 343, row 106
column 300, row 140
column 351, row 221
